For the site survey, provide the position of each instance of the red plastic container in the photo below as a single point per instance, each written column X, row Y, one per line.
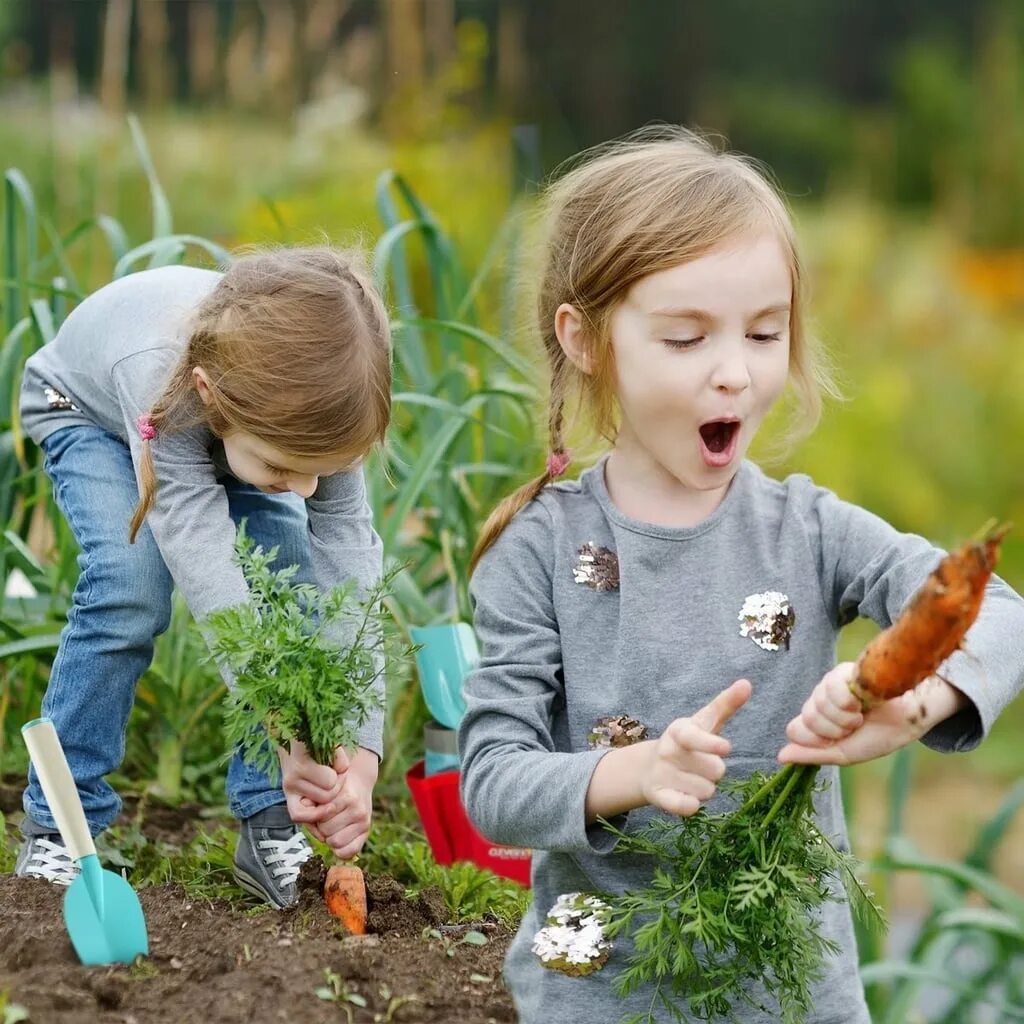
column 450, row 833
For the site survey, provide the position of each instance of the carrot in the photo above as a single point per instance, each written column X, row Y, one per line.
column 345, row 896
column 932, row 626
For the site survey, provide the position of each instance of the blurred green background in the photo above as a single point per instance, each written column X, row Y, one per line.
column 421, row 128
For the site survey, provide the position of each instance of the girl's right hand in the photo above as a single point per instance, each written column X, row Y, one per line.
column 309, row 788
column 686, row 760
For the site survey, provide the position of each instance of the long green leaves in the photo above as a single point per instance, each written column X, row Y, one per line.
column 973, row 952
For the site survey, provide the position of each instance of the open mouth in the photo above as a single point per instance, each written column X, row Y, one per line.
column 719, row 435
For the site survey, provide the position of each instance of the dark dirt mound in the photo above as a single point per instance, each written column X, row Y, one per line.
column 217, row 964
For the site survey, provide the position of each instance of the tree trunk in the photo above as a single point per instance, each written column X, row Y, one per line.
column 241, row 70
column 63, row 92
column 403, row 20
column 114, row 69
column 202, row 49
column 440, row 33
column 319, row 23
column 512, row 70
column 154, row 33
column 278, row 61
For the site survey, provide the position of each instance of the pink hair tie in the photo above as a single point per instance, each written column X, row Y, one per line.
column 147, row 428
column 558, row 463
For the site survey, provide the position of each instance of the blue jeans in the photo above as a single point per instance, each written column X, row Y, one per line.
column 122, row 602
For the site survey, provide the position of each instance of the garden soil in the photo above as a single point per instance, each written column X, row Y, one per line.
column 214, row 963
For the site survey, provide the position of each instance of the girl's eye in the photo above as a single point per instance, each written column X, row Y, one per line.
column 765, row 337
column 682, row 342
column 273, row 469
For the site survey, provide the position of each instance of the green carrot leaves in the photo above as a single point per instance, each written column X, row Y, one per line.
column 306, row 664
column 731, row 914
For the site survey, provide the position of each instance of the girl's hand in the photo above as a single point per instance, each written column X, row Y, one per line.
column 311, row 789
column 832, row 729
column 686, row 760
column 347, row 830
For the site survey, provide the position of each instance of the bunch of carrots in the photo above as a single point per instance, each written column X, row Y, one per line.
column 733, row 897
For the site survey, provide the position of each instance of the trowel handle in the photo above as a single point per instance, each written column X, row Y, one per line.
column 58, row 786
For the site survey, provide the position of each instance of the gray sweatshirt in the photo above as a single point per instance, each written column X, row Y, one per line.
column 583, row 612
column 106, row 366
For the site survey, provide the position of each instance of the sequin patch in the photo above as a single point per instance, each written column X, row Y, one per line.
column 768, row 620
column 573, row 940
column 55, row 400
column 597, row 568
column 616, row 731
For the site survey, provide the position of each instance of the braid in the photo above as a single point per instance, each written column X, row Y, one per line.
column 557, row 461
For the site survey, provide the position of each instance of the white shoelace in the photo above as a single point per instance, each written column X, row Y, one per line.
column 51, row 861
column 287, row 856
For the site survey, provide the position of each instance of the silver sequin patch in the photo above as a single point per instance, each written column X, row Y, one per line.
column 616, row 731
column 573, row 939
column 597, row 568
column 768, row 620
column 55, row 400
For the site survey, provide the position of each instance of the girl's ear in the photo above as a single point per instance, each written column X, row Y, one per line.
column 572, row 336
column 202, row 384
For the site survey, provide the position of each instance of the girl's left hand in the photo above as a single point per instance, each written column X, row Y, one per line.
column 346, row 831
column 832, row 729
column 311, row 790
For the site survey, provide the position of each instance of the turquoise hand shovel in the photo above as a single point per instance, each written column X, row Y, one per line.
column 101, row 911
column 448, row 653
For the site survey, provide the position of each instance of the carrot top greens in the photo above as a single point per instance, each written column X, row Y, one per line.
column 305, row 662
column 732, row 904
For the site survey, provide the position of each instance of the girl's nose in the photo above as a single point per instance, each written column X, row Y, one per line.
column 732, row 373
column 303, row 486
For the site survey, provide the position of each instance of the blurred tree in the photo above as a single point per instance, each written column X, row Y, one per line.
column 114, row 72
column 405, row 48
column 278, row 52
column 153, row 49
column 203, row 50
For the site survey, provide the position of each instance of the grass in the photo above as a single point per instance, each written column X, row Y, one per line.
column 8, row 847
column 470, row 893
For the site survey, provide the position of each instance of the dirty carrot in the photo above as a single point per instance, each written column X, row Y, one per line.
column 932, row 626
column 345, row 896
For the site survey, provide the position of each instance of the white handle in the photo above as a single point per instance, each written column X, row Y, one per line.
column 58, row 786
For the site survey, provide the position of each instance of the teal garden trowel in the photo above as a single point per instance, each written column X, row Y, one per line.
column 446, row 655
column 102, row 913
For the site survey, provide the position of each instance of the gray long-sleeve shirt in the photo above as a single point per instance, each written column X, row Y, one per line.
column 110, row 360
column 650, row 628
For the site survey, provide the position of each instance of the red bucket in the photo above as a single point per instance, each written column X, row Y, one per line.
column 450, row 833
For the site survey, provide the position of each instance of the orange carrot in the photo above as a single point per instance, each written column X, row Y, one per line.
column 345, row 896
column 932, row 626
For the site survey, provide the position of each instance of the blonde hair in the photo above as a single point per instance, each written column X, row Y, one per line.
column 296, row 345
column 657, row 198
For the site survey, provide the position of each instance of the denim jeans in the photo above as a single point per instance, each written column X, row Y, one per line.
column 121, row 603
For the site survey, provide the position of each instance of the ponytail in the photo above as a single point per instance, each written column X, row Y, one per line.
column 147, row 425
column 147, row 490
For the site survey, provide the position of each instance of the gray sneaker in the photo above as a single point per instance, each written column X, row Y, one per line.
column 46, row 856
column 271, row 850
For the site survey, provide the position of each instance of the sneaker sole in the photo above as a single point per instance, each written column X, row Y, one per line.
column 46, row 878
column 251, row 886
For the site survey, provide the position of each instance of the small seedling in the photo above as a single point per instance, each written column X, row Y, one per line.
column 336, row 991
column 448, row 944
column 394, row 1003
column 11, row 1013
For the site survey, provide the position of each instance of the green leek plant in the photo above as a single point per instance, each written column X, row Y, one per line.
column 177, row 692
